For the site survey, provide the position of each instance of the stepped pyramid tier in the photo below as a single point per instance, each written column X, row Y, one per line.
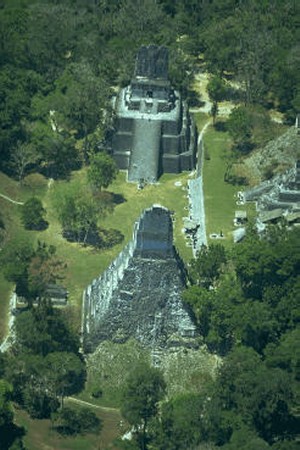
column 139, row 295
column 154, row 132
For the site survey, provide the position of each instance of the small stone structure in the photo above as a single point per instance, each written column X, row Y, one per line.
column 56, row 293
column 139, row 295
column 277, row 198
column 154, row 131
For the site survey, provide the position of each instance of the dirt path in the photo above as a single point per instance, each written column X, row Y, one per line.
column 200, row 85
column 200, row 137
column 11, row 200
column 92, row 405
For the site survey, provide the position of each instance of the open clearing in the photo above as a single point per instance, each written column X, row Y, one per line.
column 41, row 436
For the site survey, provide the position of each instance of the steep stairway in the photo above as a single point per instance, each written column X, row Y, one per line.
column 144, row 160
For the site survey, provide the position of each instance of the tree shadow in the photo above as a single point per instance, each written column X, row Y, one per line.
column 42, row 225
column 220, row 126
column 11, row 436
column 194, row 99
column 111, row 237
column 118, row 199
column 98, row 238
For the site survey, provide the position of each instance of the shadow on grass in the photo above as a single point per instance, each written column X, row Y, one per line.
column 42, row 225
column 99, row 238
column 118, row 199
column 11, row 436
column 220, row 126
column 71, row 421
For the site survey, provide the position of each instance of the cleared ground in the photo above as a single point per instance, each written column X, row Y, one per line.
column 41, row 436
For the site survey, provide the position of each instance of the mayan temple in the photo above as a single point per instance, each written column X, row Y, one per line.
column 154, row 132
column 139, row 295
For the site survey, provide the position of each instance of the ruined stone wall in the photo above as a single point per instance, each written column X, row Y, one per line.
column 97, row 296
column 139, row 295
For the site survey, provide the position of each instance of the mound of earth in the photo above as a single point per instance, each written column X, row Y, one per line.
column 277, row 156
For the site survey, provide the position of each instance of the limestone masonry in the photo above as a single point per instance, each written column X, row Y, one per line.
column 154, row 131
column 139, row 295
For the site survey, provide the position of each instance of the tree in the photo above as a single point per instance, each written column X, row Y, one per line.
column 218, row 312
column 31, row 269
column 254, row 325
column 207, row 266
column 37, row 395
column 240, row 128
column 43, row 330
column 226, row 31
column 102, row 171
column 144, row 389
column 14, row 261
column 246, row 439
column 55, row 148
column 79, row 212
column 216, row 89
column 40, row 381
column 269, row 263
column 181, row 424
column 32, row 214
column 286, row 355
column 45, row 269
column 6, row 411
column 15, row 102
column 51, row 30
column 21, row 157
column 67, row 373
column 83, row 98
column 14, row 27
column 10, row 434
column 258, row 397
column 202, row 302
column 72, row 421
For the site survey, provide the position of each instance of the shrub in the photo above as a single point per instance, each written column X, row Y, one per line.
column 71, row 421
column 32, row 215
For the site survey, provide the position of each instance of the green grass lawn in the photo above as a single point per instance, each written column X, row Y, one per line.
column 84, row 264
column 40, row 435
column 11, row 215
column 200, row 120
column 219, row 196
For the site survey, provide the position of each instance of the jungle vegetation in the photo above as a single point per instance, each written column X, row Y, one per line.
column 60, row 64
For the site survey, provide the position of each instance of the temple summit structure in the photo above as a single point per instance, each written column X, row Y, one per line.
column 154, row 132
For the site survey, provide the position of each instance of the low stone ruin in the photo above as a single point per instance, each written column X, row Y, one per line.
column 278, row 197
column 139, row 295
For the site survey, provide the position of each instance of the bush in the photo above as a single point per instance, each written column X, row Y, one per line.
column 32, row 215
column 97, row 393
column 71, row 421
column 35, row 181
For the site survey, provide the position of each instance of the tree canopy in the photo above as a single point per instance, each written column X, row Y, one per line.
column 32, row 214
column 102, row 171
column 58, row 65
column 144, row 389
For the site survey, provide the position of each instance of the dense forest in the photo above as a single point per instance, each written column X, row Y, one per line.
column 61, row 61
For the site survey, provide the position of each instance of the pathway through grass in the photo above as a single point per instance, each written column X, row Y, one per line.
column 219, row 196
